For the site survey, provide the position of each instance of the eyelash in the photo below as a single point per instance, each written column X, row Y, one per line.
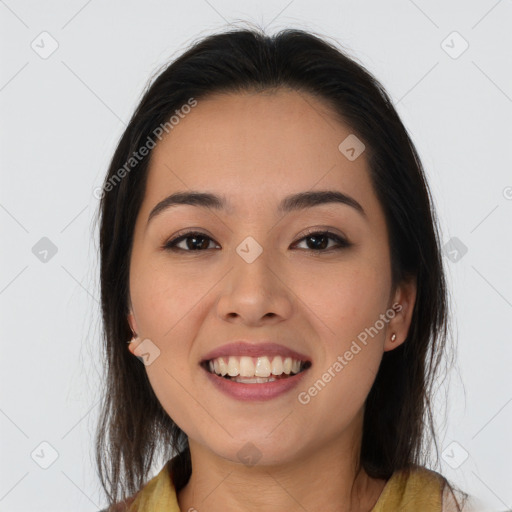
column 171, row 245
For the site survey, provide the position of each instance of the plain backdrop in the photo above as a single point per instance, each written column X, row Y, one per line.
column 72, row 73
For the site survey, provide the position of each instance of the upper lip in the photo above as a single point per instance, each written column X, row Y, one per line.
column 256, row 349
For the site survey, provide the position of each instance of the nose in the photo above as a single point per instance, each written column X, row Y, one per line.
column 255, row 292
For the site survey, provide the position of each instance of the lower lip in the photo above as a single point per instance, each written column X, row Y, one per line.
column 263, row 391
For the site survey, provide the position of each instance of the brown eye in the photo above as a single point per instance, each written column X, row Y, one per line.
column 194, row 241
column 316, row 241
column 319, row 241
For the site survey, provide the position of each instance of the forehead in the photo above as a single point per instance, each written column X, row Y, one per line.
column 255, row 148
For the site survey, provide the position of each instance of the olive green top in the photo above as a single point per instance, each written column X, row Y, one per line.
column 416, row 490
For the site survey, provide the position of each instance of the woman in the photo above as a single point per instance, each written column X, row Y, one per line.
column 270, row 250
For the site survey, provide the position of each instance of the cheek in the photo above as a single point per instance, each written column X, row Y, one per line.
column 347, row 390
column 345, row 298
column 163, row 297
column 168, row 309
column 347, row 303
column 340, row 383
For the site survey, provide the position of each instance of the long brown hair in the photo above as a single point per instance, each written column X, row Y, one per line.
column 398, row 424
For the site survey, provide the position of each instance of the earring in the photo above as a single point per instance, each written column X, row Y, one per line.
column 134, row 337
column 393, row 337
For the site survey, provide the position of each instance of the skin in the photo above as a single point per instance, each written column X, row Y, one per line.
column 255, row 149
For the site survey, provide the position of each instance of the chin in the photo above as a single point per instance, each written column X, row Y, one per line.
column 257, row 450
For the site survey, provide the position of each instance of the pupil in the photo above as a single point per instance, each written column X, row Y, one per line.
column 317, row 245
column 192, row 239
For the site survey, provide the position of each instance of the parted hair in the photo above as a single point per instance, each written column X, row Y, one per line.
column 398, row 428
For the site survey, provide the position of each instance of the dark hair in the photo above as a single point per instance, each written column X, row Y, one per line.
column 398, row 423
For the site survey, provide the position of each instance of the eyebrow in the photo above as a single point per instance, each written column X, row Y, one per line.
column 294, row 202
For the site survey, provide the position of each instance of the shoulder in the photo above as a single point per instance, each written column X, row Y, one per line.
column 456, row 500
column 428, row 487
column 419, row 479
column 413, row 488
column 121, row 506
column 158, row 488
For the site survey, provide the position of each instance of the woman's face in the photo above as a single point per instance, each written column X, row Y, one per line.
column 257, row 275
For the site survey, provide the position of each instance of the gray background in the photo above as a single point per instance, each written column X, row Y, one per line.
column 61, row 116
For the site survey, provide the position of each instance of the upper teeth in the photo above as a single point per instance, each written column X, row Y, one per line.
column 246, row 366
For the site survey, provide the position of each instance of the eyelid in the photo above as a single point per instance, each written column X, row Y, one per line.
column 322, row 229
column 183, row 234
column 341, row 240
column 189, row 232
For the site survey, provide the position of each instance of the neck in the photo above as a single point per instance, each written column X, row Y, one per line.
column 328, row 478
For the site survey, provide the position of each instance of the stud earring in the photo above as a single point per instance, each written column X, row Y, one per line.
column 393, row 337
column 134, row 337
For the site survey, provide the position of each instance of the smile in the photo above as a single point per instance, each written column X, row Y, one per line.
column 255, row 370
column 245, row 384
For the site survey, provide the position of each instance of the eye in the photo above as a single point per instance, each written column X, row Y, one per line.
column 194, row 241
column 198, row 241
column 320, row 241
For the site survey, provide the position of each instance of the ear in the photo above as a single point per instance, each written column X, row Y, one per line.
column 133, row 326
column 403, row 305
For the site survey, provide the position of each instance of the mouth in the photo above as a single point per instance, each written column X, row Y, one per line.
column 255, row 370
